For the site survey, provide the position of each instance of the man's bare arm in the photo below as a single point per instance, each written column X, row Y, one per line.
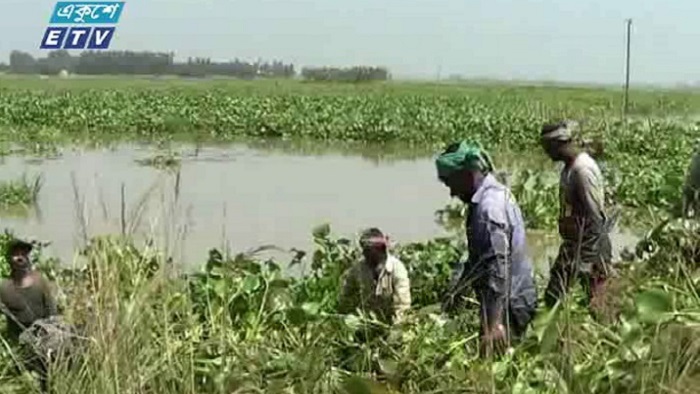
column 49, row 298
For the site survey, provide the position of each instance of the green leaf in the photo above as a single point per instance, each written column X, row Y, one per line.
column 630, row 330
column 296, row 316
column 388, row 367
column 545, row 327
column 280, row 283
column 321, row 231
column 653, row 306
column 301, row 315
column 311, row 308
column 251, row 284
column 359, row 385
column 352, row 322
column 220, row 287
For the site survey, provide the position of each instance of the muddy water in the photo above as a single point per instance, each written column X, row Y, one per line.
column 235, row 197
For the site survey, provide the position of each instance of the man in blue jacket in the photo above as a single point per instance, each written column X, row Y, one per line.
column 498, row 268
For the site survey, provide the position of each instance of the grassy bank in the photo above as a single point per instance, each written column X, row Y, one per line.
column 240, row 326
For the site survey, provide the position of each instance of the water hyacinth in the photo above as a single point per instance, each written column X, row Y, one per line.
column 646, row 157
column 240, row 324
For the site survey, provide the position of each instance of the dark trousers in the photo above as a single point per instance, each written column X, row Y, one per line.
column 590, row 265
column 516, row 318
column 519, row 320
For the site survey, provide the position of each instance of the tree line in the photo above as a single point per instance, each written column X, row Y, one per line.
column 163, row 63
column 141, row 63
column 349, row 74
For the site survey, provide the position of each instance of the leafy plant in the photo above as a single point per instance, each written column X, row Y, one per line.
column 240, row 324
column 22, row 192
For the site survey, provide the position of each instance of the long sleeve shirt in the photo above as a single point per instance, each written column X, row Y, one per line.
column 498, row 267
column 384, row 290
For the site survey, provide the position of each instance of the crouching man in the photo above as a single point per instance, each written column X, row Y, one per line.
column 30, row 309
column 378, row 283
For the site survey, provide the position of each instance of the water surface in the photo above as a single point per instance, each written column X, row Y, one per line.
column 239, row 197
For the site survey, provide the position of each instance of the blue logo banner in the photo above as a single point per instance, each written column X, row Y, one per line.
column 87, row 12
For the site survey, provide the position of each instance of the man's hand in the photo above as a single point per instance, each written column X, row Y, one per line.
column 494, row 342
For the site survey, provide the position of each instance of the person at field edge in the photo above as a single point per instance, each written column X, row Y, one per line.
column 25, row 298
column 498, row 268
column 691, row 188
column 377, row 283
column 586, row 249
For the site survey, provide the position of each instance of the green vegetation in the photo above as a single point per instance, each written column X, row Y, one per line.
column 350, row 74
column 22, row 192
column 240, row 325
column 536, row 193
column 646, row 157
column 161, row 161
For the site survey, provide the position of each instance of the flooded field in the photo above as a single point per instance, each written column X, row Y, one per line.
column 236, row 197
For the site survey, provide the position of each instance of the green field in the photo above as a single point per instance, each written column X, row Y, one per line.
column 240, row 326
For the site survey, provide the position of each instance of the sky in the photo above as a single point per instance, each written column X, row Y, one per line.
column 564, row 40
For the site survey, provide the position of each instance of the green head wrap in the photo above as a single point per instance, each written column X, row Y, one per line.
column 463, row 156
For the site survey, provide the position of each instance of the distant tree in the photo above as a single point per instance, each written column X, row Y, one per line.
column 22, row 63
column 144, row 63
column 55, row 62
column 351, row 74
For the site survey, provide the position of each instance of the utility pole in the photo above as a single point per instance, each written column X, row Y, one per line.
column 627, row 67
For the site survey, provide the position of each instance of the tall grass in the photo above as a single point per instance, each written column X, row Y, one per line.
column 21, row 192
column 240, row 326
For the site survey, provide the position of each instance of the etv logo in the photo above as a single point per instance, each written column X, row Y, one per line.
column 82, row 13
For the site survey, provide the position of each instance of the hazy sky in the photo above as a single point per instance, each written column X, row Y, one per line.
column 568, row 40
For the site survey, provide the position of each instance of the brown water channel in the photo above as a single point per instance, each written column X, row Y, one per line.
column 237, row 197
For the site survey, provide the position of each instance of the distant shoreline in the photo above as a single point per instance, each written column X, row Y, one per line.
column 394, row 81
